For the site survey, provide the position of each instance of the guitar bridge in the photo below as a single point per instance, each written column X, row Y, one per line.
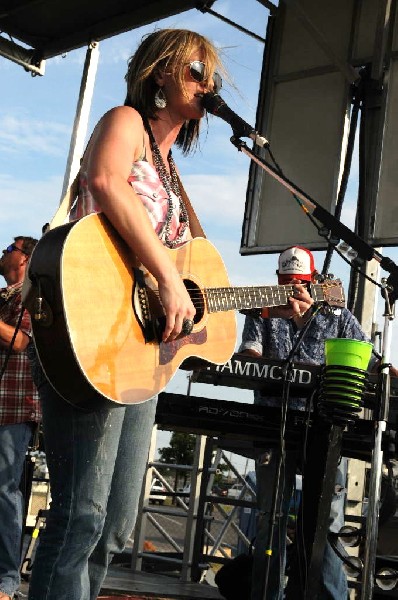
column 152, row 329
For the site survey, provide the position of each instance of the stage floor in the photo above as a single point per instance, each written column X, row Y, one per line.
column 153, row 585
column 122, row 584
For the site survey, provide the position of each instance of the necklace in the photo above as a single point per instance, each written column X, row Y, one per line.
column 170, row 184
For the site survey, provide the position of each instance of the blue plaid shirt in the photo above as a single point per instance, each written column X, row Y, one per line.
column 275, row 338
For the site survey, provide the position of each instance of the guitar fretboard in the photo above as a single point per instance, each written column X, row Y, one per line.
column 240, row 298
column 222, row 299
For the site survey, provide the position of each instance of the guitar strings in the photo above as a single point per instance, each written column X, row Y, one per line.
column 243, row 289
column 249, row 292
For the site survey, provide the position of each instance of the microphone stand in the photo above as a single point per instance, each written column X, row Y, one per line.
column 382, row 407
column 365, row 252
column 278, row 494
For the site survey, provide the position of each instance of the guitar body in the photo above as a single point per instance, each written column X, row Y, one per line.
column 90, row 338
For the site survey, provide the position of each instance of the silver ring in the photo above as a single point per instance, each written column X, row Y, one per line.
column 187, row 326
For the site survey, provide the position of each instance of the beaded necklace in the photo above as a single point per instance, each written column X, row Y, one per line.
column 170, row 184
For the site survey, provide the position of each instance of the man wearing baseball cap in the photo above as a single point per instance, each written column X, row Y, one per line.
column 273, row 335
column 296, row 263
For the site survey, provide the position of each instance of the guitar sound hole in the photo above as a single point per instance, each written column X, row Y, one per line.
column 196, row 296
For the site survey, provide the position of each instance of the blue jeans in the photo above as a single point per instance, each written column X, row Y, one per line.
column 14, row 442
column 333, row 577
column 96, row 463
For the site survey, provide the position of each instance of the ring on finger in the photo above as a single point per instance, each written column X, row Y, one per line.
column 187, row 326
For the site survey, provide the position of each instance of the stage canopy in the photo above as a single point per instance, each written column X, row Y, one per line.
column 41, row 29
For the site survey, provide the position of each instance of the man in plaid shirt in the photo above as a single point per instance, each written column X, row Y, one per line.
column 19, row 408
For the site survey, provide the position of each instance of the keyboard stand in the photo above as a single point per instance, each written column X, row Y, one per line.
column 319, row 477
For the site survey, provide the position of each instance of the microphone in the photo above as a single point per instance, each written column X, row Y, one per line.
column 215, row 105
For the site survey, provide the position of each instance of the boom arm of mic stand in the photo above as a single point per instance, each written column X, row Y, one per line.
column 366, row 252
column 338, row 229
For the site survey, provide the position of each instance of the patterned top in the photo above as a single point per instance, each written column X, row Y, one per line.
column 146, row 183
column 19, row 398
column 275, row 338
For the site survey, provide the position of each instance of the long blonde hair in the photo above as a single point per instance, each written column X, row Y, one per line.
column 167, row 50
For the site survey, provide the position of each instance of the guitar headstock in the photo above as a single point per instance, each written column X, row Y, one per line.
column 329, row 291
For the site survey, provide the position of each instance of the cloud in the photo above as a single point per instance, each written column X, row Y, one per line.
column 20, row 133
column 218, row 198
column 27, row 205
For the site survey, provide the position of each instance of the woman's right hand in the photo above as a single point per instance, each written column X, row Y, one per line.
column 177, row 305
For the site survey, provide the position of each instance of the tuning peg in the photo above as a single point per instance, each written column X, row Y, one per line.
column 321, row 277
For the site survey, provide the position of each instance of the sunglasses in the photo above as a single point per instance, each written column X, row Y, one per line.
column 13, row 247
column 197, row 72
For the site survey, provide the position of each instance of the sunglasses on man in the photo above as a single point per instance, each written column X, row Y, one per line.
column 197, row 70
column 13, row 247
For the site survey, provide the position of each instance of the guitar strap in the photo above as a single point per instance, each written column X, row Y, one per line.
column 65, row 205
column 194, row 223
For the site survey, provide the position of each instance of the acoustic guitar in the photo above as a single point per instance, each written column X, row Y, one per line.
column 97, row 320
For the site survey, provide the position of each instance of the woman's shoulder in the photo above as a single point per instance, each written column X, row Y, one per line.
column 123, row 113
column 122, row 125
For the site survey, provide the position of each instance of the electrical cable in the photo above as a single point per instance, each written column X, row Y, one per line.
column 356, row 92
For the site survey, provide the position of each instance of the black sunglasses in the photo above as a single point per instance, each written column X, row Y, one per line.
column 197, row 72
column 13, row 247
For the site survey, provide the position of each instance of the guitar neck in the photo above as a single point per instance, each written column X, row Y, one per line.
column 239, row 298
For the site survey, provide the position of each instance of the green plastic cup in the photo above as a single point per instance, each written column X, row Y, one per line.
column 348, row 384
column 348, row 374
column 343, row 389
column 348, row 353
column 342, row 404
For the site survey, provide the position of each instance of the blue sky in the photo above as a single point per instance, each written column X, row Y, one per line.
column 36, row 119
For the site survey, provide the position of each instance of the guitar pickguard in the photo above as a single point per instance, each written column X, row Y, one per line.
column 167, row 352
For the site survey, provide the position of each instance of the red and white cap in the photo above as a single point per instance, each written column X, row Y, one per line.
column 297, row 261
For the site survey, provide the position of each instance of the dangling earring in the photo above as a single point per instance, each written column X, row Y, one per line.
column 160, row 99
